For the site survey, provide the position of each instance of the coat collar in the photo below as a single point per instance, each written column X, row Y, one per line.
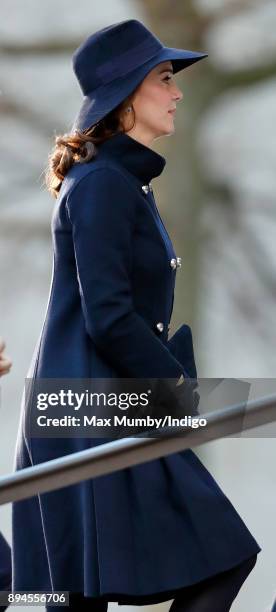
column 136, row 157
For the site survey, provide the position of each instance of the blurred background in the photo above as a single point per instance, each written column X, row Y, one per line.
column 216, row 196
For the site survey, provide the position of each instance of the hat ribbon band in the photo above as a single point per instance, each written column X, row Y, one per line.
column 128, row 61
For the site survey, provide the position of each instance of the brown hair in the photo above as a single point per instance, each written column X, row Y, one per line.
column 81, row 147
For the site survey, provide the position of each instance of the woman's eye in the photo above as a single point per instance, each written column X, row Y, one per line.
column 168, row 78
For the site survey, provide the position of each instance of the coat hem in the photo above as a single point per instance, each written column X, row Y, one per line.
column 124, row 599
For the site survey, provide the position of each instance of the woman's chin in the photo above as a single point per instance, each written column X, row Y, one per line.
column 170, row 129
column 164, row 131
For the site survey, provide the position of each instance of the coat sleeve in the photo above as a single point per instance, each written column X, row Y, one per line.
column 101, row 209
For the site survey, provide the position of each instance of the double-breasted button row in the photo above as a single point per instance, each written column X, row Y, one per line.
column 175, row 263
column 147, row 188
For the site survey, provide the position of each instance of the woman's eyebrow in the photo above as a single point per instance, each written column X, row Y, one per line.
column 165, row 70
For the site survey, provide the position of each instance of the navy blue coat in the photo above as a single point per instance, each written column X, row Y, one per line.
column 139, row 534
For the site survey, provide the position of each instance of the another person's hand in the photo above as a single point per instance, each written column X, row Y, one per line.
column 5, row 361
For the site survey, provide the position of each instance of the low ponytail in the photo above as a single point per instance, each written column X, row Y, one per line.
column 81, row 146
column 68, row 149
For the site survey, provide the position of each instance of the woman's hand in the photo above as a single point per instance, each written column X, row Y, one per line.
column 178, row 398
column 5, row 361
column 190, row 398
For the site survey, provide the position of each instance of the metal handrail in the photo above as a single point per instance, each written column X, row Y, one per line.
column 116, row 455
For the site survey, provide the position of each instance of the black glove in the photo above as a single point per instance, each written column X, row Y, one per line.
column 175, row 397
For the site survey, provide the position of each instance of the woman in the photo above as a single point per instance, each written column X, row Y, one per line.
column 162, row 529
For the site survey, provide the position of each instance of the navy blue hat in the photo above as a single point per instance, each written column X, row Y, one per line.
column 112, row 62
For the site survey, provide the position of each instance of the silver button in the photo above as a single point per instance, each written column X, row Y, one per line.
column 178, row 262
column 160, row 326
column 173, row 263
column 147, row 188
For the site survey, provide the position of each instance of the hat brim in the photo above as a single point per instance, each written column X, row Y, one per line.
column 104, row 99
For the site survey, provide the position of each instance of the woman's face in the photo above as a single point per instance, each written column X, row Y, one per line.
column 154, row 103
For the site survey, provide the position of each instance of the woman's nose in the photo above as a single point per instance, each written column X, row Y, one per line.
column 178, row 95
